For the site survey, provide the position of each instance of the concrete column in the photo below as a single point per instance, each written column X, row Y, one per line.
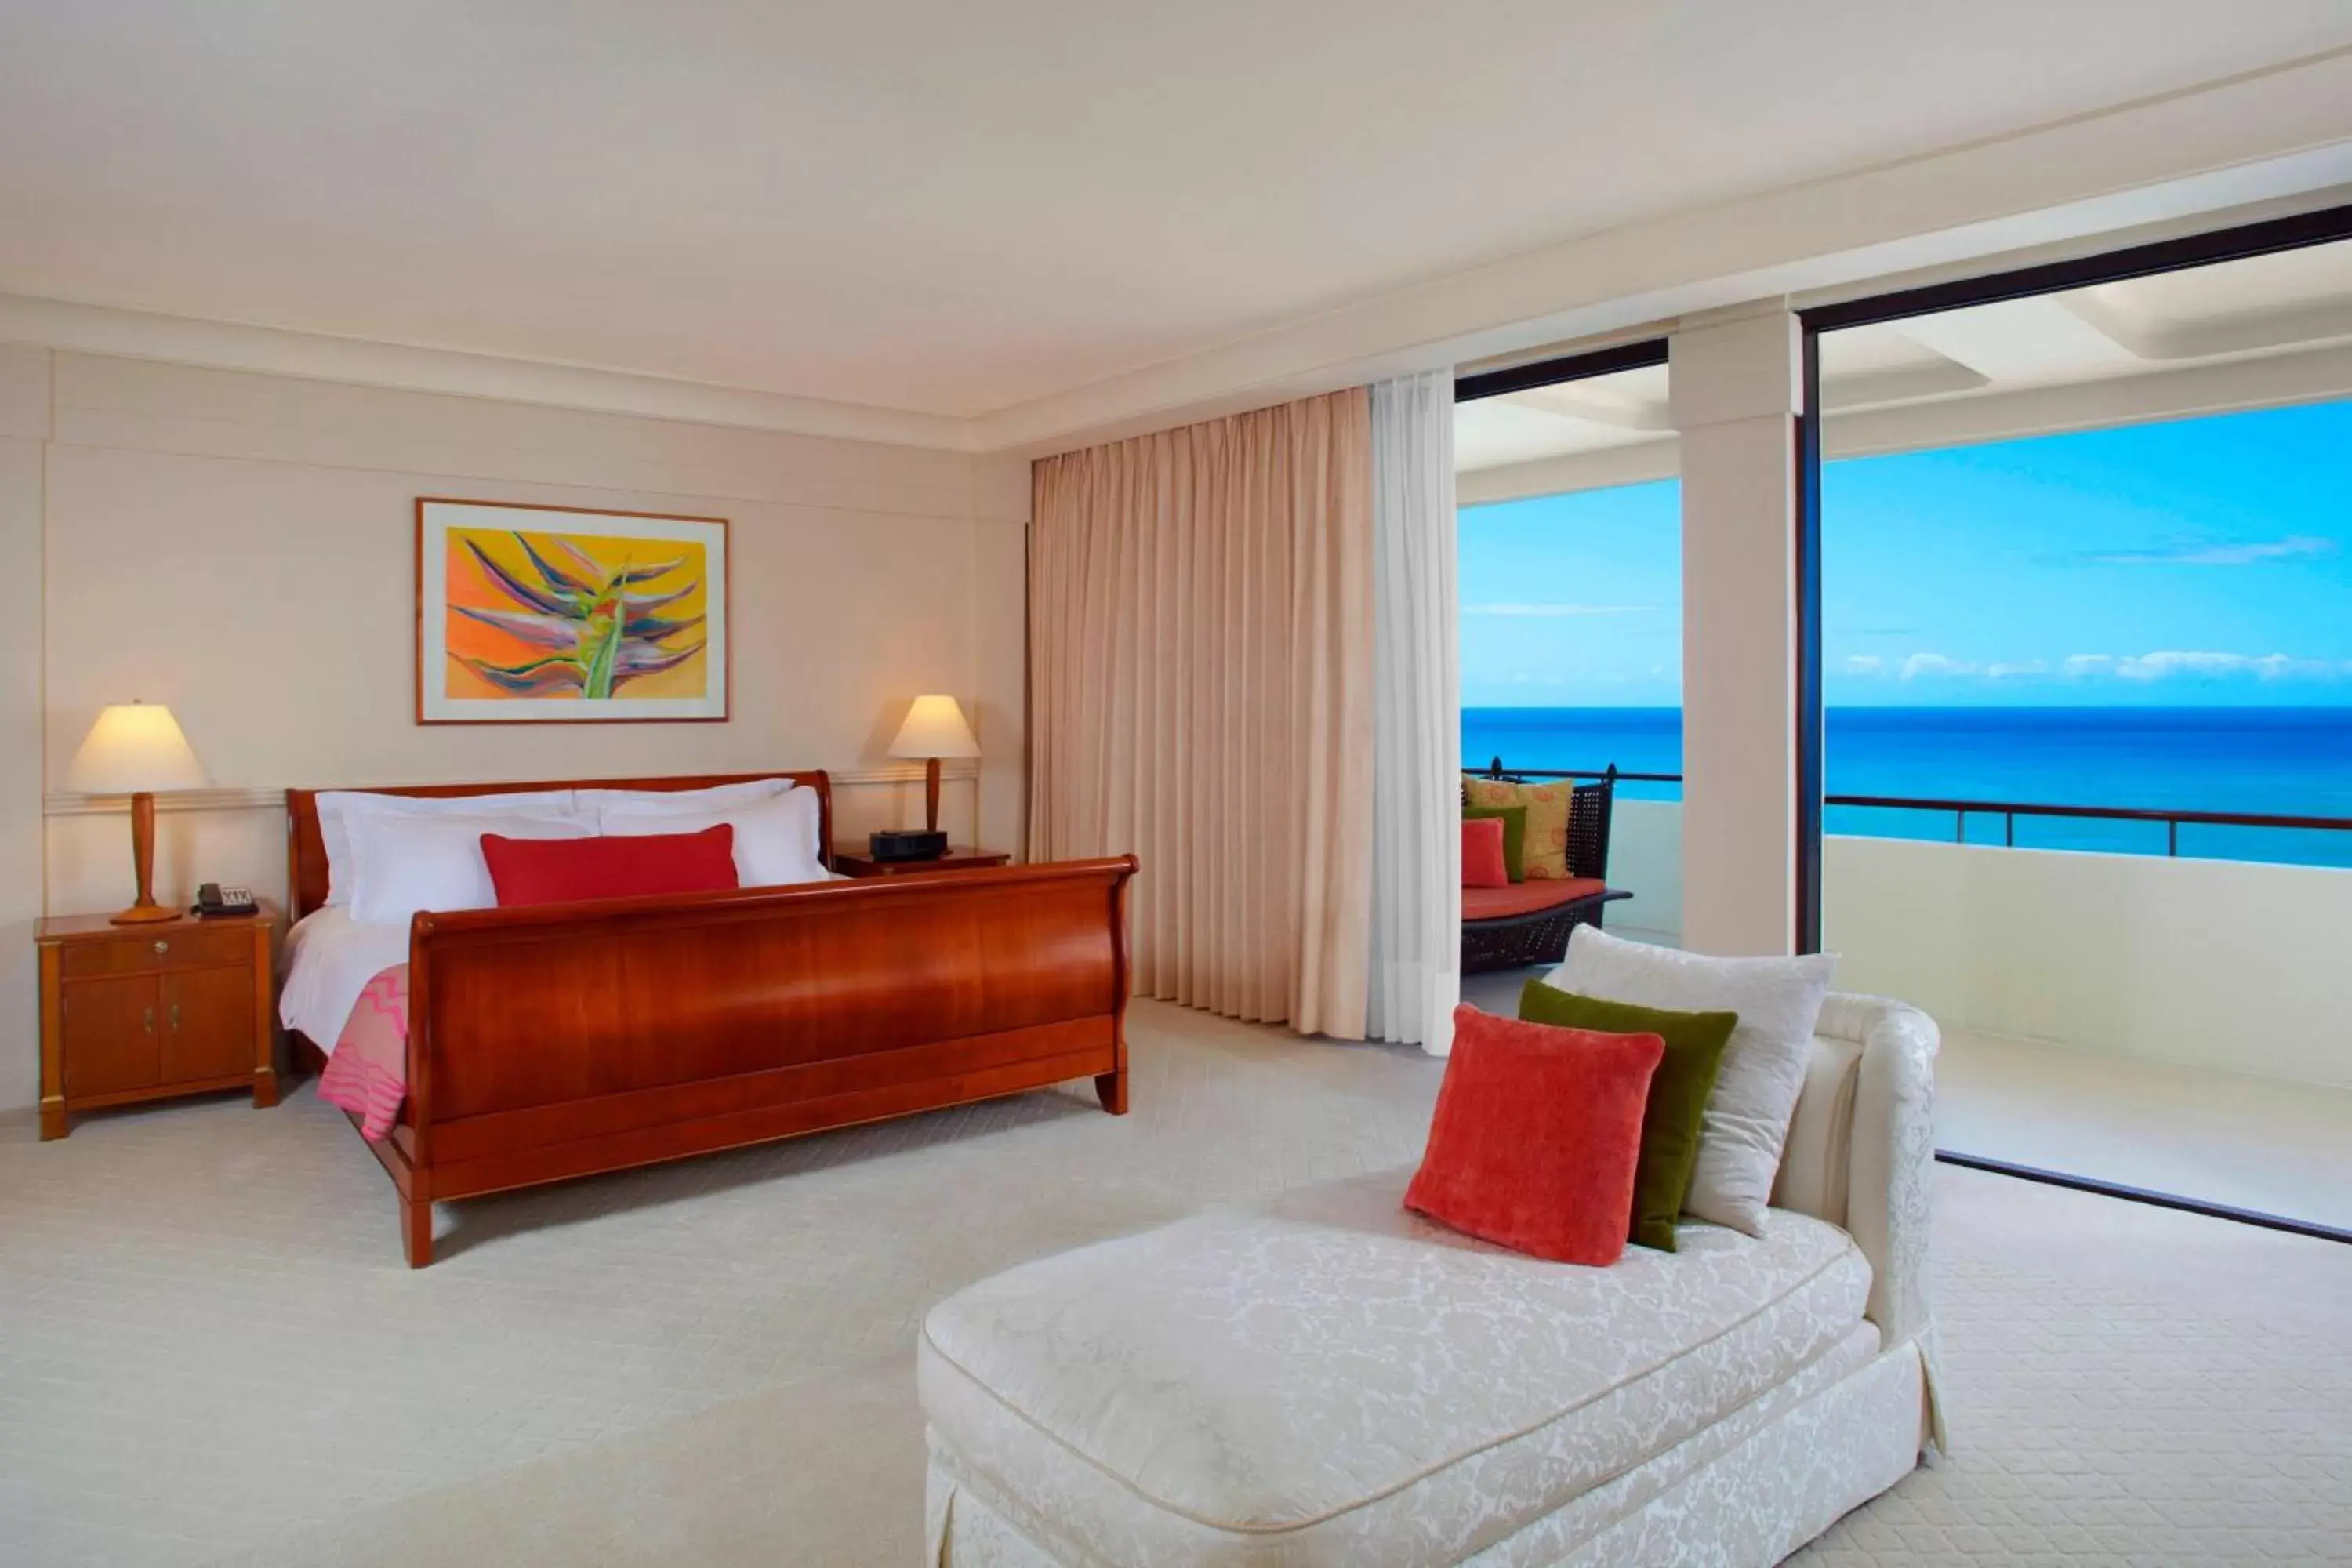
column 1737, row 386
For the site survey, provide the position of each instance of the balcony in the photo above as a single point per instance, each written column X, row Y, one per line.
column 2167, row 1015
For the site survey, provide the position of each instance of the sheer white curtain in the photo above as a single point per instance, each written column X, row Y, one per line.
column 1416, row 958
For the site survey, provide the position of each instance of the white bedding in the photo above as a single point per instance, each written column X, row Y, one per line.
column 330, row 959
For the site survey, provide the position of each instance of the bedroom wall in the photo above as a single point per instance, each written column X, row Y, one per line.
column 24, row 432
column 240, row 546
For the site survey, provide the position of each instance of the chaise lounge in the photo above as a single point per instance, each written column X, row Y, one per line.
column 1326, row 1379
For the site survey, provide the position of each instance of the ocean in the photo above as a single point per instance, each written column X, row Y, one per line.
column 2288, row 762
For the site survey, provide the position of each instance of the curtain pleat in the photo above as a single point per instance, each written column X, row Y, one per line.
column 1201, row 653
column 1416, row 923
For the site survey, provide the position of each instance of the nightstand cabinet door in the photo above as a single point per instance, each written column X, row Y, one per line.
column 206, row 1023
column 113, row 1040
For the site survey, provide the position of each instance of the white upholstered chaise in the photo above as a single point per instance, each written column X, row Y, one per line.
column 1326, row 1379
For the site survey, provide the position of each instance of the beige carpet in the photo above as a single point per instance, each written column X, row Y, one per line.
column 209, row 1349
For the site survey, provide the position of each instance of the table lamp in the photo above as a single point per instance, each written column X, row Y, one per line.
column 136, row 749
column 934, row 729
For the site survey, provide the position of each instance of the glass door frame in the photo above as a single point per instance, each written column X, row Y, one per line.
column 1637, row 355
column 2269, row 237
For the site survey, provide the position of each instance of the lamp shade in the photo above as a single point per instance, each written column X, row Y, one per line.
column 134, row 748
column 935, row 728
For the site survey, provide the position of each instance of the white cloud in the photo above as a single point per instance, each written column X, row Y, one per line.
column 2162, row 665
column 2169, row 662
column 2279, row 666
column 2253, row 552
column 1556, row 610
column 2181, row 661
column 2202, row 663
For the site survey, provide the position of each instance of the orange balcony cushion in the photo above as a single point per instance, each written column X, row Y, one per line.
column 1526, row 898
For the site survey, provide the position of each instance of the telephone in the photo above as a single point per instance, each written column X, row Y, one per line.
column 211, row 898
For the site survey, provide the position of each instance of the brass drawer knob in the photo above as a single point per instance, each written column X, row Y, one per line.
column 163, row 946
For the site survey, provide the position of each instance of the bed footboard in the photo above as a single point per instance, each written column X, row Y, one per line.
column 559, row 1041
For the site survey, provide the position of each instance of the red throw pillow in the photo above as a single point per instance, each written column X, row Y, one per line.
column 1537, row 1135
column 565, row 870
column 1483, row 865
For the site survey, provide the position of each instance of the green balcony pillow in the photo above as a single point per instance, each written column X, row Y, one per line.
column 1515, row 834
column 1679, row 1092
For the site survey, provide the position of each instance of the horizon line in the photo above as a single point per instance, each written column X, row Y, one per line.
column 2343, row 707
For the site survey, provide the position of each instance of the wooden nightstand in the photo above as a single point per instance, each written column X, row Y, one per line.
column 146, row 1012
column 854, row 861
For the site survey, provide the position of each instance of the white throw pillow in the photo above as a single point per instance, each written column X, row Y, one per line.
column 406, row 863
column 1747, row 1118
column 337, row 806
column 775, row 839
column 717, row 798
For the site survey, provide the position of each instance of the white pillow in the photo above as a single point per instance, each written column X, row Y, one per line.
column 1747, row 1117
column 775, row 839
column 717, row 798
column 337, row 806
column 404, row 863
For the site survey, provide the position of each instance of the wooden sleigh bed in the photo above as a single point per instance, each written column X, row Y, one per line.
column 566, row 1040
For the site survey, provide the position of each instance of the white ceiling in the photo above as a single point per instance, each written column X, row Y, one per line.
column 2262, row 311
column 954, row 208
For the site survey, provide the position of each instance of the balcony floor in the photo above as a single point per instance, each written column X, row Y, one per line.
column 2250, row 1142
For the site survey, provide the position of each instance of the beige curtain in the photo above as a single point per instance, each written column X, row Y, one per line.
column 1201, row 666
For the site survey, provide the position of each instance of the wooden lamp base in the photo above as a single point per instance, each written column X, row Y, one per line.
column 143, row 860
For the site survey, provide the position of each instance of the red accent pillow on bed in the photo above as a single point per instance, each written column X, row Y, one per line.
column 1537, row 1135
column 565, row 870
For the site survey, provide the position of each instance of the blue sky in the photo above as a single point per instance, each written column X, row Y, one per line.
column 2198, row 562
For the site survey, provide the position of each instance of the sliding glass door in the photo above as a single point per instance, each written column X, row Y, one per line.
column 2075, row 637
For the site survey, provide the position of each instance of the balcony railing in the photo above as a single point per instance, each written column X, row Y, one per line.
column 2009, row 811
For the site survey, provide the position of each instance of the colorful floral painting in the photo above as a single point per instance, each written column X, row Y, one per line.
column 539, row 614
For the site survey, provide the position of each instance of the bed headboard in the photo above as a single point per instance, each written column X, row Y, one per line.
column 306, row 851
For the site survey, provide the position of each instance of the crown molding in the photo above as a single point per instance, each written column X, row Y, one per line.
column 257, row 798
column 315, row 356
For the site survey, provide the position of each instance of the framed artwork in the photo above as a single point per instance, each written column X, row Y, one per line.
column 559, row 616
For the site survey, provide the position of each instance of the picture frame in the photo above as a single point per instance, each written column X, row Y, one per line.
column 515, row 622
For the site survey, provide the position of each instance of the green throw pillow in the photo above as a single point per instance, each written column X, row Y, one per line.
column 1515, row 836
column 1679, row 1092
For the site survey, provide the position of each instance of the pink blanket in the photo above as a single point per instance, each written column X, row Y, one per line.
column 367, row 1074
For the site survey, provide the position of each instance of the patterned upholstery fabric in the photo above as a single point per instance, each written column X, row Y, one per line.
column 1750, row 1488
column 1544, row 856
column 1337, row 1374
